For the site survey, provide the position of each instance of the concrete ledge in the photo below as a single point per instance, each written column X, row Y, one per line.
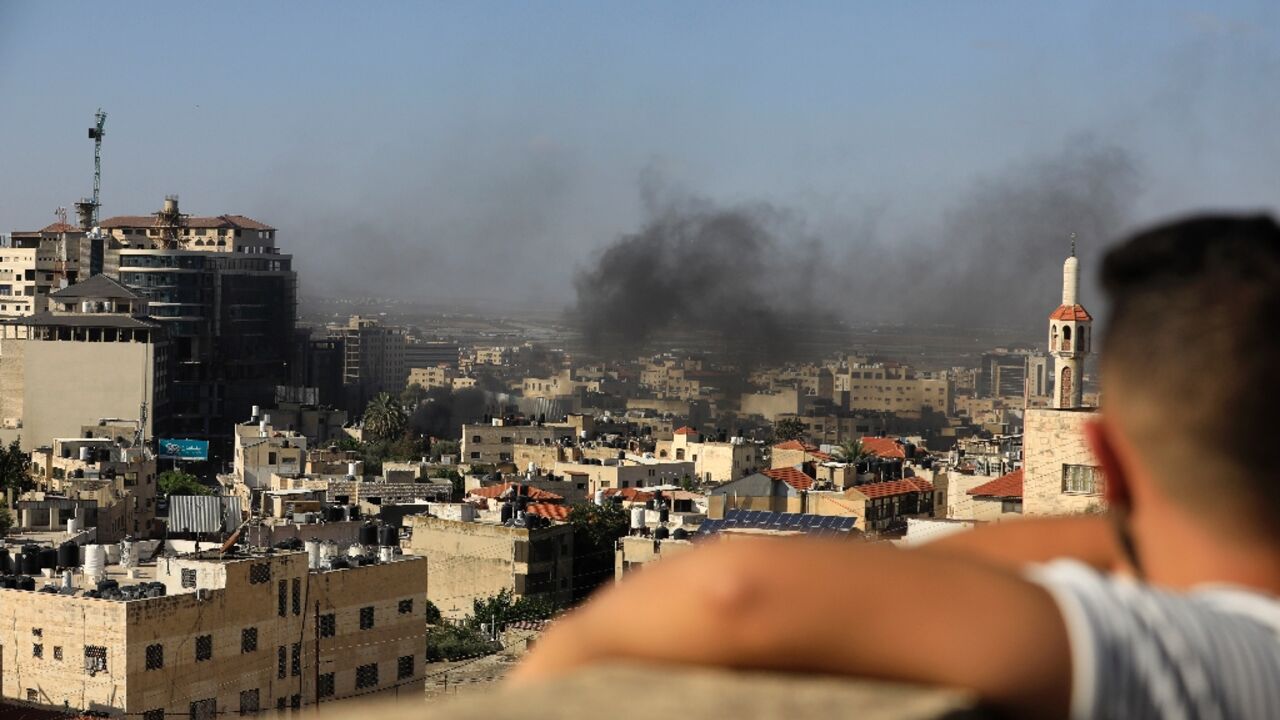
column 620, row 691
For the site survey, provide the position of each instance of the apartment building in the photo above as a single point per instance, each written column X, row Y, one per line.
column 215, row 635
column 261, row 451
column 97, row 481
column 895, row 389
column 495, row 443
column 227, row 297
column 94, row 353
column 625, row 473
column 34, row 264
column 713, row 461
column 373, row 360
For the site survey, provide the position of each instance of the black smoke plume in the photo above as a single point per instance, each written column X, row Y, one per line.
column 735, row 283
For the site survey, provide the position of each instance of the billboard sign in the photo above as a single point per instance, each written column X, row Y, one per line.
column 175, row 449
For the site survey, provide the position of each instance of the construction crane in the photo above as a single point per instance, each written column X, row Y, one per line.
column 87, row 209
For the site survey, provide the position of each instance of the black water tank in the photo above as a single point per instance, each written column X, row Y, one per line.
column 353, row 512
column 388, row 536
column 6, row 566
column 368, row 534
column 48, row 558
column 30, row 560
column 8, row 582
column 68, row 555
column 664, row 515
column 108, row 585
column 26, row 582
column 680, row 534
column 650, row 504
column 508, row 511
column 339, row 564
column 661, row 533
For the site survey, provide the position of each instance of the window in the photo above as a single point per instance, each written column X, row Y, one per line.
column 249, row 640
column 271, row 458
column 153, row 714
column 325, row 686
column 95, row 659
column 404, row 667
column 282, row 598
column 366, row 618
column 155, row 656
column 295, row 701
column 328, row 625
column 1081, row 479
column 259, row 573
column 204, row 648
column 188, row 578
column 297, row 596
column 406, row 607
column 249, row 702
column 57, row 652
column 37, row 650
column 295, row 660
column 367, row 676
column 280, row 663
column 280, row 703
column 206, row 709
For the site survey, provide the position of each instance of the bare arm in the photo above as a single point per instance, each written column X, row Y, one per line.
column 1091, row 539
column 863, row 610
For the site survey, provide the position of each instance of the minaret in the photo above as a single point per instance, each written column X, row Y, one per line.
column 1070, row 337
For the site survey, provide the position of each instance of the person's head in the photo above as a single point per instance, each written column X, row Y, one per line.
column 1191, row 371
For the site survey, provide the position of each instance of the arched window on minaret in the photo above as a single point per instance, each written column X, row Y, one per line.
column 1053, row 336
column 1066, row 337
column 1064, row 389
column 1080, row 340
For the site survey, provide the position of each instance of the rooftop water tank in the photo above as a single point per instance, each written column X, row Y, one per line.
column 68, row 555
column 637, row 518
column 368, row 534
column 388, row 536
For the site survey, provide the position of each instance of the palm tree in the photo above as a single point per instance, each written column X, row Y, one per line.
column 384, row 418
column 851, row 451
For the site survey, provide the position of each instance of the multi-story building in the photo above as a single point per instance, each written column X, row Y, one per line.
column 475, row 556
column 33, row 264
column 431, row 353
column 94, row 354
column 713, row 461
column 495, row 443
column 227, row 297
column 112, row 484
column 217, row 634
column 895, row 389
column 373, row 360
column 625, row 473
column 262, row 450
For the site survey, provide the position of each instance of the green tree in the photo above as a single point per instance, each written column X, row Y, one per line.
column 6, row 521
column 688, row 483
column 13, row 468
column 505, row 608
column 596, row 528
column 455, row 479
column 384, row 419
column 852, row 451
column 433, row 614
column 788, row 429
column 444, row 447
column 456, row 642
column 176, row 482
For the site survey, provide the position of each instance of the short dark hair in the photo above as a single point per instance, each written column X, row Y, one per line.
column 1192, row 346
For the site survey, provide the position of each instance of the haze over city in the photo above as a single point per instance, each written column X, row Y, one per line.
column 452, row 153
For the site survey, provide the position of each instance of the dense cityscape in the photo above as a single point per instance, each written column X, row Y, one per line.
column 893, row 361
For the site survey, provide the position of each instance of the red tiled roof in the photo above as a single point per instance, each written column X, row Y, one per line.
column 629, row 494
column 795, row 445
column 883, row 448
column 1071, row 312
column 791, row 476
column 1007, row 485
column 221, row 221
column 894, row 487
column 60, row 227
column 494, row 491
column 686, row 430
column 549, row 511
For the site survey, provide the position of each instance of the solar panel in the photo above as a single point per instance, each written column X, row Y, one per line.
column 814, row 521
column 750, row 517
column 732, row 514
column 794, row 520
column 848, row 523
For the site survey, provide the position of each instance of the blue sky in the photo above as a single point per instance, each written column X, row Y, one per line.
column 454, row 150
